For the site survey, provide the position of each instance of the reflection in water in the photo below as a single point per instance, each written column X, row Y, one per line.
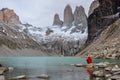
column 56, row 67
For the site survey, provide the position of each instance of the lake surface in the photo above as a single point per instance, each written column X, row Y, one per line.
column 58, row 68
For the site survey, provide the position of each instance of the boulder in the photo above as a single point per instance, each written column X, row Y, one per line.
column 2, row 77
column 99, row 73
column 79, row 65
column 101, row 65
column 2, row 70
column 18, row 77
column 108, row 75
column 115, row 77
column 115, row 68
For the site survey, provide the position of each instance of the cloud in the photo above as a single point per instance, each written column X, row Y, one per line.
column 41, row 12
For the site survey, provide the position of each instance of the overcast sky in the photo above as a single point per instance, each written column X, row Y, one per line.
column 41, row 12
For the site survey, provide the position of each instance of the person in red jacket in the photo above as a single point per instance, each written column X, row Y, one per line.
column 89, row 59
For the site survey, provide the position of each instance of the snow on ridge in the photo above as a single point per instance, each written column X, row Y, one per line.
column 39, row 34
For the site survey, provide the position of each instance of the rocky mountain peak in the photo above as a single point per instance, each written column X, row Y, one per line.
column 57, row 20
column 94, row 5
column 80, row 19
column 9, row 16
column 68, row 16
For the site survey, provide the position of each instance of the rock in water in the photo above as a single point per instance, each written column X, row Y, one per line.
column 68, row 16
column 2, row 77
column 57, row 20
column 9, row 16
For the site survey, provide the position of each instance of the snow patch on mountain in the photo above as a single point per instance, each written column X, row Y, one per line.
column 39, row 34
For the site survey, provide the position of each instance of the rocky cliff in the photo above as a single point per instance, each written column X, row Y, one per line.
column 93, row 6
column 9, row 16
column 103, row 30
column 107, row 44
column 57, row 20
column 78, row 19
column 68, row 16
column 105, row 14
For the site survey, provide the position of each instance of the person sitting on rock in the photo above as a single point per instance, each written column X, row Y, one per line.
column 89, row 59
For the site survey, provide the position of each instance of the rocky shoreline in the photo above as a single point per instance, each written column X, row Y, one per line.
column 96, row 71
column 102, row 70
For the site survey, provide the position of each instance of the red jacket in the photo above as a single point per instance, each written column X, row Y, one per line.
column 89, row 60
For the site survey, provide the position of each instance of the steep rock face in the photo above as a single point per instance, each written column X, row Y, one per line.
column 57, row 20
column 107, row 43
column 93, row 6
column 80, row 19
column 68, row 16
column 101, row 17
column 9, row 16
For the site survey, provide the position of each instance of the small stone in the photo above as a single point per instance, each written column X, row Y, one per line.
column 79, row 65
column 18, row 77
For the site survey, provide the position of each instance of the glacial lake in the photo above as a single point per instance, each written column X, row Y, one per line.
column 58, row 68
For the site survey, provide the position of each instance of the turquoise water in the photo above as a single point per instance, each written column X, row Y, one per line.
column 58, row 68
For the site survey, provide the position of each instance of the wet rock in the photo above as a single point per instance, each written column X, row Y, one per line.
column 115, row 68
column 116, row 73
column 108, row 68
column 108, row 75
column 99, row 73
column 10, row 69
column 2, row 70
column 79, row 65
column 89, row 66
column 43, row 76
column 2, row 77
column 18, row 77
column 116, row 77
column 101, row 65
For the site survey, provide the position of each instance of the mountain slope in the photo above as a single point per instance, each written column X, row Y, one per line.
column 13, row 42
column 107, row 43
